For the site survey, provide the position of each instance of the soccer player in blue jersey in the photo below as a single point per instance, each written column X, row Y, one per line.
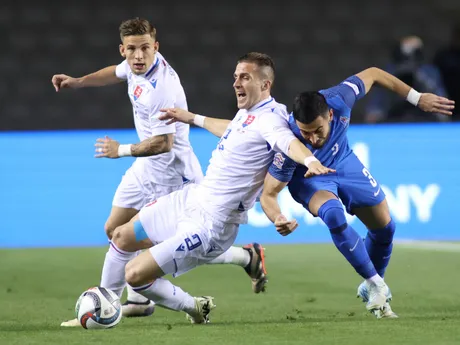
column 320, row 120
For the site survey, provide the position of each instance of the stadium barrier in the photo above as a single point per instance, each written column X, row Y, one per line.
column 54, row 193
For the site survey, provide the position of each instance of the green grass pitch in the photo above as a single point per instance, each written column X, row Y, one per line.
column 310, row 300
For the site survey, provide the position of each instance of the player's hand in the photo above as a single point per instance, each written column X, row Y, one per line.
column 284, row 226
column 176, row 114
column 62, row 81
column 316, row 168
column 435, row 104
column 106, row 148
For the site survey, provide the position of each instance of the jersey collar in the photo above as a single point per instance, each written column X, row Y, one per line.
column 152, row 68
column 262, row 103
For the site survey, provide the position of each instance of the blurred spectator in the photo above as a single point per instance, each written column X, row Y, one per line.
column 408, row 65
column 448, row 61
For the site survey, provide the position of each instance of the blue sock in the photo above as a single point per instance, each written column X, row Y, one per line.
column 379, row 245
column 346, row 239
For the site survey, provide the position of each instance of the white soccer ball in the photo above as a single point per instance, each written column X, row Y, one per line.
column 98, row 308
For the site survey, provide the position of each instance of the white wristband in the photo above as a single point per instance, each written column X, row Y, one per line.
column 413, row 97
column 198, row 120
column 309, row 160
column 124, row 150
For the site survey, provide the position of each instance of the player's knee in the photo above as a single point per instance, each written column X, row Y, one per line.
column 384, row 235
column 121, row 238
column 109, row 228
column 132, row 274
column 333, row 215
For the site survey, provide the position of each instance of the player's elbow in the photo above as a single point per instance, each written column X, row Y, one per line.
column 168, row 143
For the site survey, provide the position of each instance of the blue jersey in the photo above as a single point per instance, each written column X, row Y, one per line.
column 340, row 99
column 351, row 182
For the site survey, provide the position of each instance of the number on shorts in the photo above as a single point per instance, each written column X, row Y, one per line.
column 369, row 176
column 194, row 242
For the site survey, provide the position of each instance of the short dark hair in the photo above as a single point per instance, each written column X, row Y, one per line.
column 137, row 27
column 263, row 61
column 308, row 106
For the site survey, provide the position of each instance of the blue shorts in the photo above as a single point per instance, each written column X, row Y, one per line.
column 351, row 182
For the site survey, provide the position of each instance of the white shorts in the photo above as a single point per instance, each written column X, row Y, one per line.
column 136, row 190
column 184, row 236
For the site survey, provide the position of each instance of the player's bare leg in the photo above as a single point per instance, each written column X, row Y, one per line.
column 379, row 244
column 145, row 276
column 118, row 216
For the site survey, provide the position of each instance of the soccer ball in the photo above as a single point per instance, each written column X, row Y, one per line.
column 98, row 308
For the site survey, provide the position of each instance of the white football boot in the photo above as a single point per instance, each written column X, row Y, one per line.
column 71, row 323
column 137, row 309
column 377, row 298
column 203, row 306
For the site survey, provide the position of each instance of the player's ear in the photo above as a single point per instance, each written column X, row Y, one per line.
column 156, row 46
column 331, row 114
column 122, row 50
column 266, row 85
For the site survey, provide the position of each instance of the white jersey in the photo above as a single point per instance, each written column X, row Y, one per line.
column 160, row 88
column 240, row 162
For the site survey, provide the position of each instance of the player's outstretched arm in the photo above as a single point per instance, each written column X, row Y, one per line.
column 299, row 153
column 213, row 125
column 269, row 202
column 105, row 76
column 158, row 144
column 426, row 101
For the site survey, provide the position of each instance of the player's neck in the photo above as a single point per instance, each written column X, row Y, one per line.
column 262, row 100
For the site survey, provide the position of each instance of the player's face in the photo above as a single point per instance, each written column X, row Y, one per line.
column 249, row 87
column 317, row 132
column 139, row 52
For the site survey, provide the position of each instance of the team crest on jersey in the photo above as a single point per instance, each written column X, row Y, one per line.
column 278, row 160
column 249, row 120
column 345, row 120
column 137, row 92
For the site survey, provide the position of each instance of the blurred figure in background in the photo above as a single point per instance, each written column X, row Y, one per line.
column 447, row 60
column 408, row 65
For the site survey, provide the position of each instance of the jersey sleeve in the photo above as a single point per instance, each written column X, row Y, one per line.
column 274, row 128
column 349, row 91
column 282, row 167
column 121, row 70
column 159, row 127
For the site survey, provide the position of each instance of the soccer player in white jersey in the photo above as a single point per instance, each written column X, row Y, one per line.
column 193, row 226
column 165, row 154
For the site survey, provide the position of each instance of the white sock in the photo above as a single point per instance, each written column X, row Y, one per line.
column 167, row 295
column 133, row 296
column 375, row 280
column 234, row 255
column 113, row 272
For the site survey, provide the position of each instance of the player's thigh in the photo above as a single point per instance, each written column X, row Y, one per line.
column 358, row 188
column 318, row 199
column 143, row 269
column 374, row 217
column 126, row 236
column 158, row 219
column 315, row 191
column 118, row 216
